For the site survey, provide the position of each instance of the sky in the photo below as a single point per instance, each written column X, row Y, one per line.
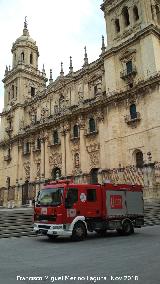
column 61, row 28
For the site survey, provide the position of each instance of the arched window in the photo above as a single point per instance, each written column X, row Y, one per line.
column 26, row 148
column 56, row 173
column 125, row 14
column 117, row 25
column 158, row 14
column 22, row 56
column 92, row 125
column 38, row 143
column 55, row 137
column 75, row 131
column 139, row 159
column 31, row 58
column 135, row 14
column 76, row 160
column 12, row 91
column 133, row 111
column 152, row 12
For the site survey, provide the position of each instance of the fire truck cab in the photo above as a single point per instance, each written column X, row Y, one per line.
column 67, row 209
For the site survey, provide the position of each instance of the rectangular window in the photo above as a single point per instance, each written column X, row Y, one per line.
column 129, row 67
column 12, row 91
column 26, row 148
column 72, row 195
column 32, row 91
column 55, row 137
column 95, row 90
column 16, row 91
column 91, row 194
column 38, row 144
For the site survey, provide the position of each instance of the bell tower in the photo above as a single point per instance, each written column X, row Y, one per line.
column 24, row 50
column 133, row 35
column 23, row 80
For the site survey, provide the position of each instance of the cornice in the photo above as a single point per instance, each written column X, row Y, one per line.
column 24, row 70
column 109, row 5
column 129, row 41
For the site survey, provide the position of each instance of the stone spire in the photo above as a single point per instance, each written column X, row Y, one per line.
column 50, row 79
column 25, row 29
column 70, row 67
column 43, row 69
column 85, row 57
column 6, row 70
column 103, row 48
column 62, row 72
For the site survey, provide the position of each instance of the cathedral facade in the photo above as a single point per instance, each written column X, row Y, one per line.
column 99, row 122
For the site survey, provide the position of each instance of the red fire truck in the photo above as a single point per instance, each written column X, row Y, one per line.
column 64, row 208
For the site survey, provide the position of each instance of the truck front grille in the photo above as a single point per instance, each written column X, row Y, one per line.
column 44, row 227
column 46, row 218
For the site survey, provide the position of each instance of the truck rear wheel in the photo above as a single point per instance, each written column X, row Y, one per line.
column 79, row 232
column 127, row 228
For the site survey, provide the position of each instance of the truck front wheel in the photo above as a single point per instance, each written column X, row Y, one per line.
column 79, row 232
column 127, row 228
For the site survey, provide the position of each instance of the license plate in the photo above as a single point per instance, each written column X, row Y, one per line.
column 44, row 211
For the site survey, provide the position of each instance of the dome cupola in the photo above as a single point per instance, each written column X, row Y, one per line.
column 24, row 50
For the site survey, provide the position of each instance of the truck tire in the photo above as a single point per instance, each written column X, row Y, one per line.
column 79, row 232
column 127, row 227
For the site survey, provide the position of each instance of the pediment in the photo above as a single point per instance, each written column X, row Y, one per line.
column 127, row 54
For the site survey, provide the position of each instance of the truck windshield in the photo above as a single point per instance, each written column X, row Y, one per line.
column 50, row 197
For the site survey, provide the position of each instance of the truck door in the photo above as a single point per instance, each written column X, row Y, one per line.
column 71, row 204
column 92, row 207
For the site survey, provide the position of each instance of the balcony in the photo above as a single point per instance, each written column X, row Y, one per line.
column 36, row 149
column 75, row 138
column 128, row 74
column 131, row 121
column 26, row 152
column 89, row 133
column 55, row 144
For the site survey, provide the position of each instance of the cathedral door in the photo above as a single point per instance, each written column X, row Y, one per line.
column 25, row 189
column 1, row 196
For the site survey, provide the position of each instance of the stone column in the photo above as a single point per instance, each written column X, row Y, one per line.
column 5, row 198
column 69, row 163
column 46, row 158
column 83, row 151
column 149, row 180
column 101, row 131
column 37, row 186
column 32, row 166
column 63, row 151
column 42, row 157
column 19, row 180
